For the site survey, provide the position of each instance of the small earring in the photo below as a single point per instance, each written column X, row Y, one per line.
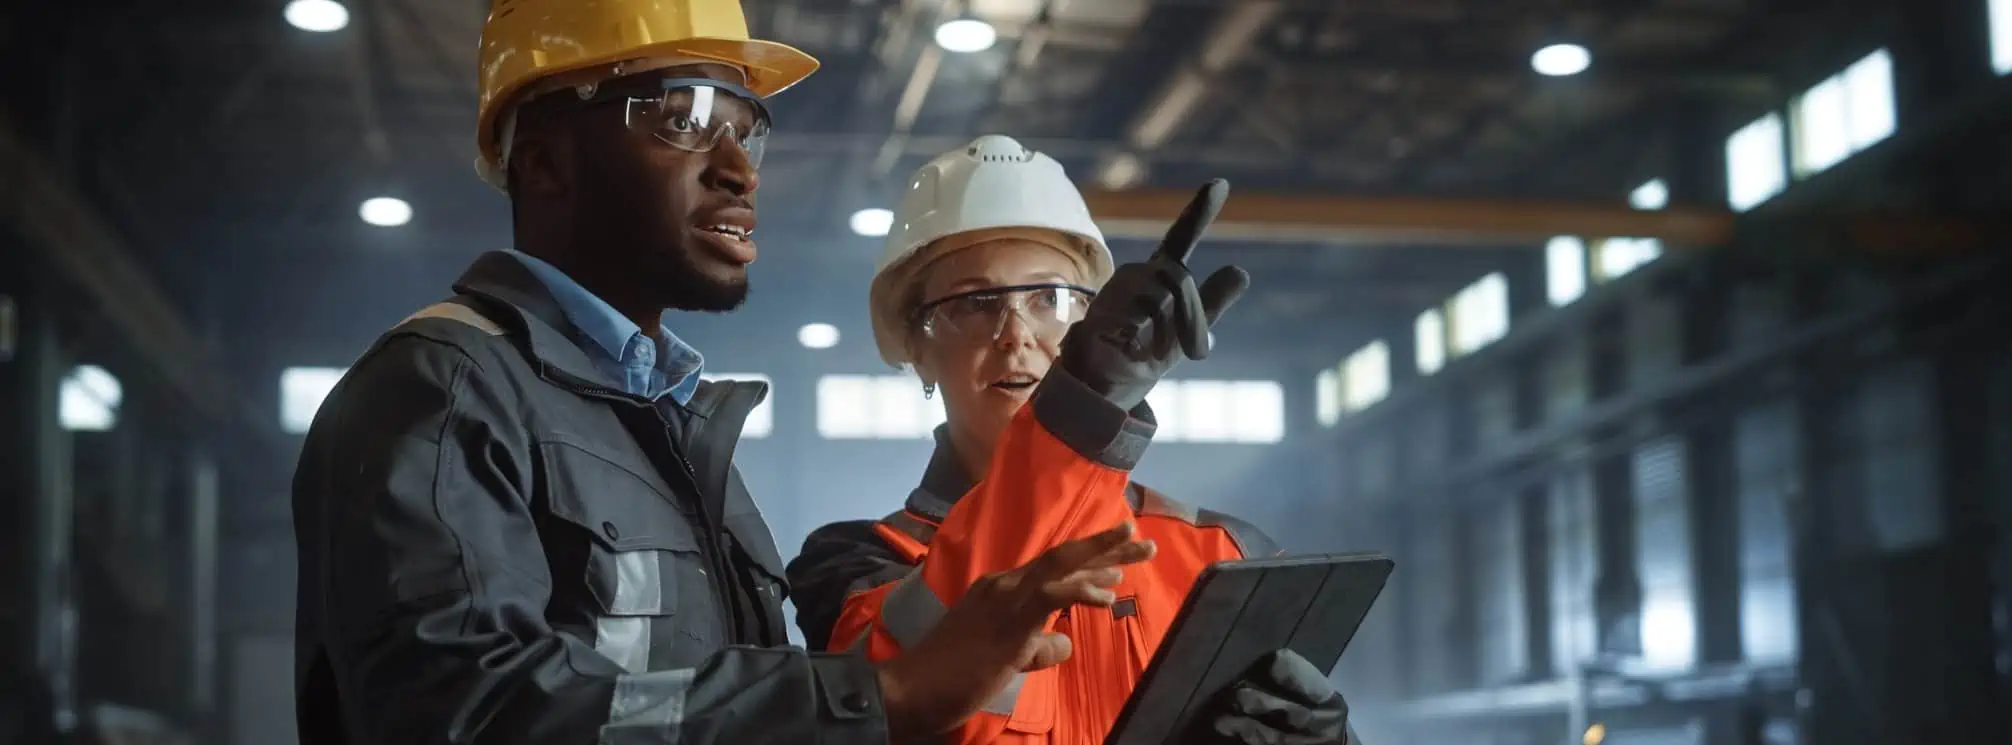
column 928, row 390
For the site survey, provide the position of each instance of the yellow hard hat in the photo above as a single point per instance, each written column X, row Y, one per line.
column 525, row 41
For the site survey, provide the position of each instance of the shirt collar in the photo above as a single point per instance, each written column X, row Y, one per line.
column 610, row 332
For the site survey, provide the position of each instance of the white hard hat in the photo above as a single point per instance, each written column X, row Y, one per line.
column 994, row 182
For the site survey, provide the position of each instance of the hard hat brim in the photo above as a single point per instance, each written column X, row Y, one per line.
column 772, row 67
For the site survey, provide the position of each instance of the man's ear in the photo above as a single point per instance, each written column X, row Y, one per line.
column 539, row 164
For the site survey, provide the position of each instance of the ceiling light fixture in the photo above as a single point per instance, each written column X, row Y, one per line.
column 817, row 336
column 1561, row 60
column 872, row 222
column 319, row 16
column 966, row 35
column 385, row 212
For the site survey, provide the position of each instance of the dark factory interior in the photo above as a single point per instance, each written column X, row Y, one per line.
column 1664, row 345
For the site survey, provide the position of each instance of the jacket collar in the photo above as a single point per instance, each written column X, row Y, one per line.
column 944, row 481
column 501, row 279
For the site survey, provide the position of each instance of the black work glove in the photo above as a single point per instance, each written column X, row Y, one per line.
column 1283, row 700
column 1129, row 337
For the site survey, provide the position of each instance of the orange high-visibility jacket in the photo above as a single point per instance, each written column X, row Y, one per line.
column 1060, row 472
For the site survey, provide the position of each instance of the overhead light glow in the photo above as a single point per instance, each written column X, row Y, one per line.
column 872, row 222
column 89, row 400
column 319, row 16
column 1560, row 60
column 966, row 35
column 817, row 336
column 385, row 212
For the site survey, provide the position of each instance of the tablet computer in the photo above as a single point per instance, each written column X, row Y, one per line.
column 1238, row 612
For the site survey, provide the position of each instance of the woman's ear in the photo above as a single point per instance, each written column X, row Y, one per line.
column 924, row 369
column 920, row 360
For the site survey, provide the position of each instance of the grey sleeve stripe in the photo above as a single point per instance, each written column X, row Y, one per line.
column 1004, row 703
column 910, row 610
column 648, row 707
column 456, row 312
column 1155, row 503
column 1250, row 541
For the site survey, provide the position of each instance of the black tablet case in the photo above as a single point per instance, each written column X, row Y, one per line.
column 1237, row 612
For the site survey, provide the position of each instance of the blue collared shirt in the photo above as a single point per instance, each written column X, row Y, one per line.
column 643, row 366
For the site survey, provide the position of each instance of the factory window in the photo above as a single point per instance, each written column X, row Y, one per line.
column 1430, row 331
column 301, row 391
column 1844, row 114
column 1480, row 314
column 1251, row 411
column 875, row 407
column 89, row 400
column 1564, row 269
column 1366, row 376
column 1327, row 396
column 1615, row 257
column 1755, row 168
column 761, row 421
column 2001, row 36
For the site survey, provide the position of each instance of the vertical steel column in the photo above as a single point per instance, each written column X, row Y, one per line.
column 1715, row 529
column 1822, row 703
column 1402, row 513
column 1969, row 651
column 1617, row 588
column 202, row 536
column 1533, row 513
column 37, row 618
column 1461, row 511
column 1617, row 594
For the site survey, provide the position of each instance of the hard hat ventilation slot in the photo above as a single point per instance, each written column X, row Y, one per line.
column 1024, row 156
column 999, row 149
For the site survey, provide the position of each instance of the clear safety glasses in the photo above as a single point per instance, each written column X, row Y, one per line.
column 691, row 114
column 980, row 316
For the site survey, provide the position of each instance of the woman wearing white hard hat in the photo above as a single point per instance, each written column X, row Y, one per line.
column 992, row 259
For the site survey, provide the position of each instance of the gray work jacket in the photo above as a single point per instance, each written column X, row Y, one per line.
column 497, row 545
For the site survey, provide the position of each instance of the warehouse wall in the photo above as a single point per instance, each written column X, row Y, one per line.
column 1731, row 492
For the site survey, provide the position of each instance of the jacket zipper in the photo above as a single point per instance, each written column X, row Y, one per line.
column 729, row 415
column 715, row 553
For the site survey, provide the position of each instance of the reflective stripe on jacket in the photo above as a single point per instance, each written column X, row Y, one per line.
column 1060, row 472
column 499, row 547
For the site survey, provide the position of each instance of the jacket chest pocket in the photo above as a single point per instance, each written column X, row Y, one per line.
column 648, row 590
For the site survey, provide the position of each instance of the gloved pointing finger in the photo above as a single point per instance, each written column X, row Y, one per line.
column 1180, row 240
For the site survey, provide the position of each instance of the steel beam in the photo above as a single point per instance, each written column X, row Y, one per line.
column 1520, row 223
column 75, row 240
column 1274, row 216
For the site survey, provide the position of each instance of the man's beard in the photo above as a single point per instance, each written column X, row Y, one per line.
column 689, row 289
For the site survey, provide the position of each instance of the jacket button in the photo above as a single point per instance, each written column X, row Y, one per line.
column 854, row 702
column 609, row 530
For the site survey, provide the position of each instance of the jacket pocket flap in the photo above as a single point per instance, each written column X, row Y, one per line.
column 622, row 509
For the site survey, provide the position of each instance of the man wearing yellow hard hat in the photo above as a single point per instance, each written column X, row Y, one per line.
column 518, row 516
